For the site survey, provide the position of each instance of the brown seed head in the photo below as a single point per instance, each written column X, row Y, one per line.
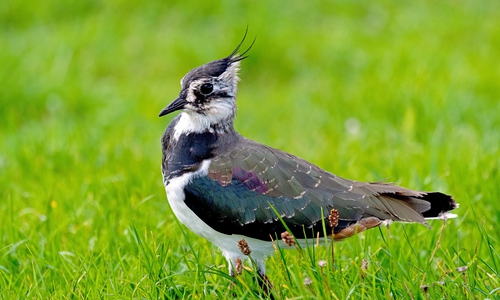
column 364, row 264
column 364, row 267
column 287, row 238
column 244, row 248
column 238, row 266
column 333, row 218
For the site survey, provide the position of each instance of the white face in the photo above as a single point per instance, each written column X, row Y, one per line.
column 210, row 101
column 211, row 94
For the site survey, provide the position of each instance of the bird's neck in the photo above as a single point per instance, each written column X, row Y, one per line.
column 200, row 123
column 192, row 140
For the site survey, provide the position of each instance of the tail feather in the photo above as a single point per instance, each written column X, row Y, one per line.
column 431, row 205
column 440, row 204
column 427, row 204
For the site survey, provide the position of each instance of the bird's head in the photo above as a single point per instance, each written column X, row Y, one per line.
column 208, row 92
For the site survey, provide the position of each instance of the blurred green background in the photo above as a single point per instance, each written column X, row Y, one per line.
column 403, row 90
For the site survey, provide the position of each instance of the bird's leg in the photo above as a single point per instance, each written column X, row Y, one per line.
column 265, row 283
column 232, row 266
column 261, row 268
column 231, row 263
column 235, row 266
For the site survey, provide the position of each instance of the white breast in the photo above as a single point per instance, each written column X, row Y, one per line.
column 175, row 194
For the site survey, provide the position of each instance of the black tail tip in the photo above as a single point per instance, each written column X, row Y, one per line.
column 440, row 204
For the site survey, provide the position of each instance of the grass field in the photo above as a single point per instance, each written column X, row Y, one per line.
column 407, row 91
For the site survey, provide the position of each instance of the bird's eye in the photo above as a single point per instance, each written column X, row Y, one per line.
column 206, row 88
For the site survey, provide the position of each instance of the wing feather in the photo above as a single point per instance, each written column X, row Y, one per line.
column 244, row 185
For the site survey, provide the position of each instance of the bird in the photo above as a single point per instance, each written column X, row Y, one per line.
column 245, row 197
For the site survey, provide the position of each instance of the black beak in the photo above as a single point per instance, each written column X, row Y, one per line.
column 177, row 104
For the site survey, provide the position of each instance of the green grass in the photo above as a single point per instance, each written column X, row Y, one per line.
column 401, row 90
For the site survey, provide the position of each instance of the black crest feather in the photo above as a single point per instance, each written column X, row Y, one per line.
column 234, row 56
column 217, row 67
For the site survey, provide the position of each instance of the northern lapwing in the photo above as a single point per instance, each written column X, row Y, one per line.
column 227, row 188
